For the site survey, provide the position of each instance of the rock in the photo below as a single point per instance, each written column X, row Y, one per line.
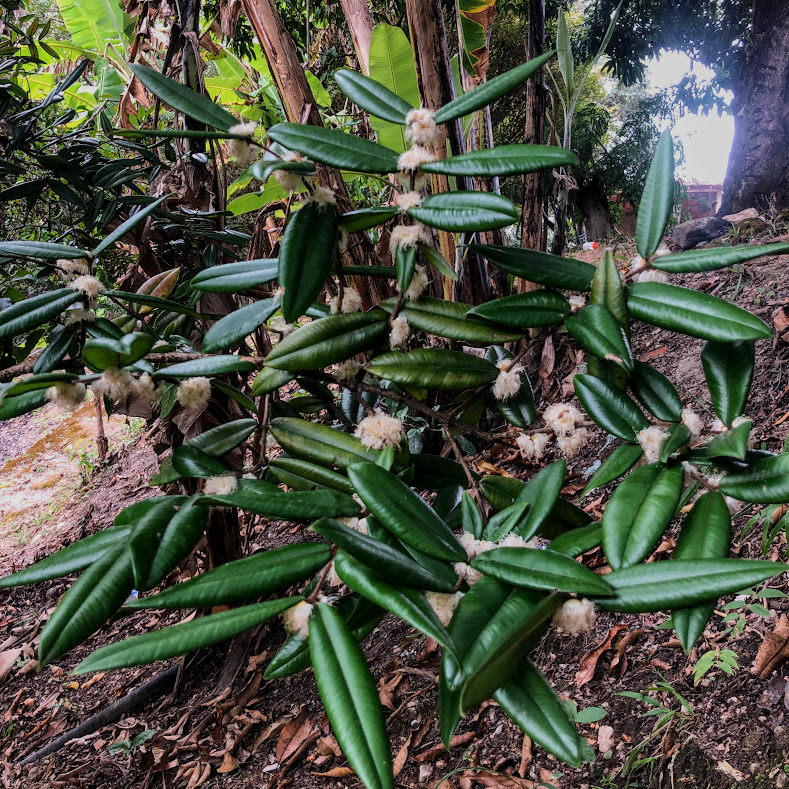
column 605, row 739
column 741, row 216
column 698, row 231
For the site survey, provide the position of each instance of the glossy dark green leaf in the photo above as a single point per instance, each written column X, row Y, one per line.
column 525, row 310
column 303, row 475
column 335, row 148
column 391, row 564
column 465, row 211
column 125, row 227
column 764, row 482
column 728, row 369
column 660, row 586
column 715, row 258
column 269, row 380
column 59, row 343
column 181, row 639
column 189, row 461
column 678, row 436
column 233, row 328
column 532, row 704
column 657, row 198
column 264, row 168
column 731, row 444
column 619, row 462
column 490, row 91
column 540, row 267
column 32, row 312
column 405, row 263
column 578, row 541
column 245, row 579
column 434, row 368
column 221, row 439
column 706, row 534
column 598, row 331
column 350, row 698
column 638, row 512
column 472, row 518
column 656, row 393
column 503, row 160
column 608, row 290
column 432, row 472
column 540, row 569
column 372, row 96
column 184, row 99
column 210, row 365
column 33, row 383
column 438, row 261
column 41, row 250
column 609, row 407
column 104, row 352
column 404, row 513
column 506, row 521
column 693, row 313
column 365, row 218
column 21, row 404
column 236, row 277
column 167, row 307
column 329, row 340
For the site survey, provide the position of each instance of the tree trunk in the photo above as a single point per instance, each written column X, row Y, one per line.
column 592, row 204
column 360, row 23
column 759, row 159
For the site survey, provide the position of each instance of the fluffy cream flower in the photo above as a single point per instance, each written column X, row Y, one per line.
column 575, row 616
column 347, row 371
column 662, row 250
column 114, row 384
column 466, row 573
column 406, row 200
column 244, row 152
column 357, row 524
column 87, row 285
column 636, row 264
column 444, row 605
column 414, row 158
column 717, row 426
column 66, row 396
column 322, row 196
column 73, row 266
column 693, row 422
column 194, row 392
column 572, row 443
column 418, row 283
column 652, row 275
column 145, row 388
column 79, row 315
column 562, row 417
column 220, row 486
column 577, row 302
column 400, row 331
column 651, row 440
column 513, row 540
column 280, row 325
column 474, row 547
column 379, row 431
column 288, row 180
column 407, row 236
column 351, row 302
column 297, row 619
column 333, row 578
column 532, row 447
column 421, row 128
column 508, row 381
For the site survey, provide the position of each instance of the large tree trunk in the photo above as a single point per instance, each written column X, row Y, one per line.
column 592, row 204
column 759, row 158
column 360, row 23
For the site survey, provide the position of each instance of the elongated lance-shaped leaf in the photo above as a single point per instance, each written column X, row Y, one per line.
column 490, row 91
column 179, row 639
column 540, row 267
column 103, row 352
column 503, row 160
column 350, row 698
column 22, row 404
column 184, row 99
column 608, row 290
column 434, row 368
column 404, row 513
column 465, row 211
column 41, row 250
column 32, row 312
column 303, row 475
column 706, row 534
column 236, row 277
column 218, row 364
column 532, row 704
column 233, row 328
column 372, row 96
column 618, row 463
column 34, row 382
column 715, row 258
column 221, row 439
column 731, row 444
column 682, row 583
column 577, row 541
column 728, row 369
column 525, row 310
column 609, row 407
column 564, row 54
column 763, row 482
column 243, row 580
column 638, row 513
column 598, row 331
column 657, row 198
column 126, row 226
column 656, row 393
column 60, row 341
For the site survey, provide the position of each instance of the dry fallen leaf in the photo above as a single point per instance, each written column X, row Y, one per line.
column 401, row 758
column 774, row 649
column 7, row 661
column 589, row 660
column 336, row 772
column 229, row 763
column 732, row 772
column 293, row 735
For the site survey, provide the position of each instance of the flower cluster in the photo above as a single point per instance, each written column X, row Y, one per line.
column 508, row 381
column 400, row 331
column 418, row 283
column 66, row 396
column 220, row 486
column 322, row 196
column 563, row 419
column 380, row 431
column 88, row 286
column 297, row 619
column 347, row 371
column 444, row 605
column 410, row 161
column 421, row 128
column 194, row 392
column 404, row 236
column 114, row 384
column 532, row 447
column 575, row 616
column 651, row 440
column 351, row 302
column 406, row 200
column 244, row 152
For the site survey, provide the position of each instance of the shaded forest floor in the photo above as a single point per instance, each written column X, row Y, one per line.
column 727, row 731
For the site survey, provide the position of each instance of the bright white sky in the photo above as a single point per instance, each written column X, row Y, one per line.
column 706, row 138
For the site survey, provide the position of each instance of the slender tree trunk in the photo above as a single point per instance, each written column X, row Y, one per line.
column 759, row 159
column 360, row 23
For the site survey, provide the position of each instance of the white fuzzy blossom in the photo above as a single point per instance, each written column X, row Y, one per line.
column 244, row 152
column 651, row 440
column 280, row 325
column 220, row 486
column 513, row 540
column 421, row 128
column 508, row 381
column 414, row 158
column 562, row 418
column 79, row 315
column 357, row 524
column 418, row 283
column 717, row 426
column 406, row 200
column 87, row 285
column 444, row 605
column 194, row 392
column 652, row 275
column 577, row 302
column 693, row 422
column 662, row 250
column 114, row 384
column 322, row 196
column 734, row 506
column 407, row 236
column 379, row 431
column 474, row 547
column 637, row 263
column 575, row 616
column 574, row 442
column 144, row 388
column 400, row 331
column 532, row 447
column 347, row 371
column 297, row 619
column 66, row 396
column 288, row 180
column 466, row 573
column 351, row 302
column 70, row 267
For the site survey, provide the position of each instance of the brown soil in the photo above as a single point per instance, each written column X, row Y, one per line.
column 274, row 734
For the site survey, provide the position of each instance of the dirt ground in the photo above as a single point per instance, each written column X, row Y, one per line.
column 727, row 731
